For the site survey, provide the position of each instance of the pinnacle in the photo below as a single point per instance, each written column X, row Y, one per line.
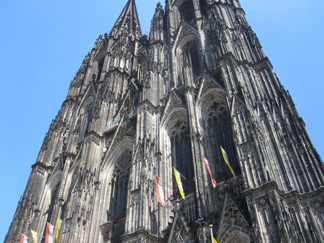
column 127, row 22
column 159, row 7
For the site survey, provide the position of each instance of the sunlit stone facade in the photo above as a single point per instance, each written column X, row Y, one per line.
column 141, row 105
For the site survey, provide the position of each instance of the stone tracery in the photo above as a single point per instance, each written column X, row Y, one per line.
column 200, row 81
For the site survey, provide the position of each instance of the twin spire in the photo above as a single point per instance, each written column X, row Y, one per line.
column 127, row 22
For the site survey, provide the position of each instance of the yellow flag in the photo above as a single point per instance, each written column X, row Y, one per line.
column 34, row 236
column 211, row 234
column 178, row 179
column 58, row 229
column 226, row 160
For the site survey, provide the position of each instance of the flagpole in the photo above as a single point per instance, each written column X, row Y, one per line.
column 186, row 179
column 168, row 199
column 225, row 156
column 211, row 232
column 167, row 185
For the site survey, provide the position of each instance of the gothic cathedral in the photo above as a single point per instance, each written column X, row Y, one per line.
column 139, row 106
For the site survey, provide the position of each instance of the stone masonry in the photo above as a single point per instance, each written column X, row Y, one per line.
column 139, row 106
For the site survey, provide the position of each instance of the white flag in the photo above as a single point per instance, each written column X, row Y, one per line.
column 159, row 191
column 49, row 233
column 34, row 236
column 23, row 238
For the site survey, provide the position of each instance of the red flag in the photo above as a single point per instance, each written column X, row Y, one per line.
column 211, row 175
column 49, row 233
column 159, row 191
column 23, row 238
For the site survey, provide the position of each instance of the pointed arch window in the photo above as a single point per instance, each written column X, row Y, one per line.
column 182, row 157
column 221, row 134
column 119, row 192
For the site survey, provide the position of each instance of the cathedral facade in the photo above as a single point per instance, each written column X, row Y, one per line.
column 139, row 106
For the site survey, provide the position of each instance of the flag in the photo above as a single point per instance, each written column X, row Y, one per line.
column 211, row 175
column 178, row 179
column 226, row 160
column 159, row 191
column 211, row 234
column 49, row 233
column 58, row 229
column 213, row 239
column 23, row 239
column 34, row 236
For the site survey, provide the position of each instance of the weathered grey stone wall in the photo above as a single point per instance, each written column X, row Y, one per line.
column 140, row 106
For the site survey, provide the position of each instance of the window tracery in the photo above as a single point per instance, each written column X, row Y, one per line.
column 220, row 135
column 181, row 155
column 119, row 192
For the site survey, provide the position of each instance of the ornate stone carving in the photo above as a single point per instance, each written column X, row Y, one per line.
column 233, row 99
column 231, row 216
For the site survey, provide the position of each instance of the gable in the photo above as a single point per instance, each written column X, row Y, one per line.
column 232, row 220
column 185, row 30
column 207, row 84
column 173, row 102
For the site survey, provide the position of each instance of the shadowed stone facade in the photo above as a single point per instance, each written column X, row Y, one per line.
column 141, row 105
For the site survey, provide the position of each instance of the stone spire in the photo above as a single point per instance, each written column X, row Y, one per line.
column 157, row 33
column 127, row 22
column 138, row 108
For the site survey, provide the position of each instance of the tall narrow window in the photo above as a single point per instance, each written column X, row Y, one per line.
column 182, row 158
column 220, row 134
column 119, row 193
column 86, row 120
column 100, row 65
column 89, row 117
column 120, row 196
column 186, row 11
column 50, row 209
column 192, row 51
column 194, row 58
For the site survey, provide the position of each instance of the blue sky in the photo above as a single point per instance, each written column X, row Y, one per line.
column 43, row 44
